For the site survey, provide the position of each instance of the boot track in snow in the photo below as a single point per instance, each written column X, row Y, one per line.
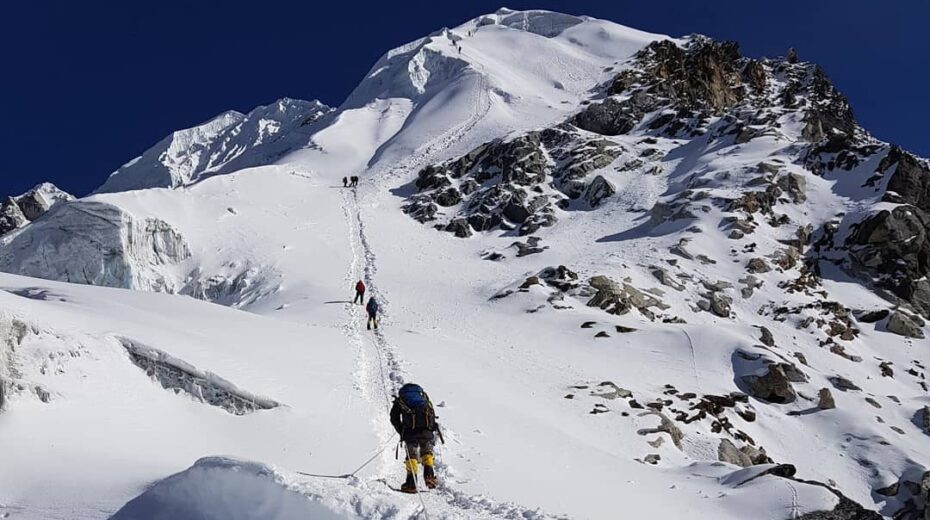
column 380, row 374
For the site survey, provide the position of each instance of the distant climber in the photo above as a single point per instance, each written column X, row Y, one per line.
column 359, row 293
column 414, row 418
column 345, row 182
column 354, row 182
column 372, row 309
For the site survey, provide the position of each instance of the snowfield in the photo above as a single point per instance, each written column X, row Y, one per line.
column 182, row 343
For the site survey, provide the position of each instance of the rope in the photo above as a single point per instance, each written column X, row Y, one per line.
column 384, row 447
column 416, row 480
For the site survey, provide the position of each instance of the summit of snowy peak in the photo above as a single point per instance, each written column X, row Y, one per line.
column 509, row 71
column 507, row 47
column 48, row 192
column 227, row 142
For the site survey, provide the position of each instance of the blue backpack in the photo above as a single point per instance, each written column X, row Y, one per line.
column 413, row 396
column 416, row 409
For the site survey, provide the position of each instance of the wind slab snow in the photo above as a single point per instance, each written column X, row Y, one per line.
column 591, row 246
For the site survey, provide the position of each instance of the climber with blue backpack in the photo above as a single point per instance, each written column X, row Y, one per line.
column 414, row 418
column 372, row 309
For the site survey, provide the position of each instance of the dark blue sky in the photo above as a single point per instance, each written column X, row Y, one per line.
column 86, row 85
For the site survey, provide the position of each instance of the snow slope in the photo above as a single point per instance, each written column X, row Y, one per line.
column 224, row 373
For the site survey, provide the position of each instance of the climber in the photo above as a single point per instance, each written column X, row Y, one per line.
column 345, row 182
column 414, row 418
column 359, row 293
column 372, row 309
column 354, row 180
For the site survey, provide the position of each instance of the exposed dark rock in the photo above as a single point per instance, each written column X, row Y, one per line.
column 756, row 201
column 751, row 283
column 561, row 277
column 845, row 509
column 756, row 455
column 893, row 247
column 796, row 186
column 460, row 227
column 727, row 452
column 529, row 247
column 767, row 339
column 620, row 299
column 872, row 316
column 886, row 369
column 787, row 258
column 717, row 303
column 906, row 325
column 841, row 383
column 910, row 182
column 758, row 265
column 615, row 117
column 598, row 190
column 11, row 216
column 772, row 386
column 665, row 278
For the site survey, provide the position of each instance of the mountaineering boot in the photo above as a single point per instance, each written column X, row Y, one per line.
column 410, row 485
column 429, row 477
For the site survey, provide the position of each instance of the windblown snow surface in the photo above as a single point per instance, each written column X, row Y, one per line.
column 241, row 382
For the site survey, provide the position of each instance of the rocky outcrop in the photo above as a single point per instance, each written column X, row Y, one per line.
column 845, row 509
column 892, row 248
column 705, row 76
column 910, row 181
column 11, row 216
column 795, row 185
column 773, row 385
column 717, row 302
column 619, row 299
column 516, row 183
column 904, row 324
column 18, row 211
column 728, row 452
column 912, row 495
column 599, row 189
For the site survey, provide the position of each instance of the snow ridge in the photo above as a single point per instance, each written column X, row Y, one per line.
column 228, row 142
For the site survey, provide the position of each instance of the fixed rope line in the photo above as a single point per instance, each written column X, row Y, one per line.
column 384, row 447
